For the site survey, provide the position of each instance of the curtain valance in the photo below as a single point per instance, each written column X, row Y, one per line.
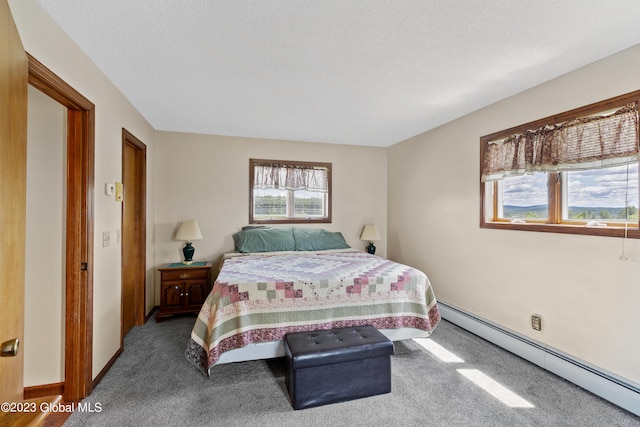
column 582, row 143
column 290, row 177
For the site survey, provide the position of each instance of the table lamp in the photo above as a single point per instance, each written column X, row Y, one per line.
column 370, row 233
column 188, row 231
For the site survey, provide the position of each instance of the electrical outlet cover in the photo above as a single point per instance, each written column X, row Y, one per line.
column 536, row 322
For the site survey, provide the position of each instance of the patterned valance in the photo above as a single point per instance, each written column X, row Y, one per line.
column 582, row 143
column 285, row 176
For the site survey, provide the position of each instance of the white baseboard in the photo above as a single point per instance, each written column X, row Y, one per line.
column 616, row 390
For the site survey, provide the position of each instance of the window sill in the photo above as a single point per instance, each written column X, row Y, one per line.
column 290, row 221
column 632, row 232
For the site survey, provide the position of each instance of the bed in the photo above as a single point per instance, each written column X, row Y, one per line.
column 313, row 280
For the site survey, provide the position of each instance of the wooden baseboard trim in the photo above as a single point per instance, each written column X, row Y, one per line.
column 44, row 390
column 150, row 314
column 106, row 368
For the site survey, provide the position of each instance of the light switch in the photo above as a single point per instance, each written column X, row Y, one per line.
column 106, row 238
column 119, row 192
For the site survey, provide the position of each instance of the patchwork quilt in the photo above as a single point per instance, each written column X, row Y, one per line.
column 260, row 298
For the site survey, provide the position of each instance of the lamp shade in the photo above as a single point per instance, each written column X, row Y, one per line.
column 370, row 233
column 189, row 231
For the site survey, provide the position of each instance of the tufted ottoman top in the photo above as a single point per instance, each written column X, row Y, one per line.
column 306, row 349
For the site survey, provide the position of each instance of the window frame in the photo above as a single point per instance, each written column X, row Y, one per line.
column 290, row 220
column 554, row 222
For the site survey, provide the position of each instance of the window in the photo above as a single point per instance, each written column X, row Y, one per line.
column 523, row 196
column 576, row 172
column 289, row 192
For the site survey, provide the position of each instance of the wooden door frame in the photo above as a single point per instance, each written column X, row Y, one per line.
column 79, row 237
column 128, row 139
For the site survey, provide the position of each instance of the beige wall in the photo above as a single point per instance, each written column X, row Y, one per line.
column 587, row 297
column 206, row 178
column 44, row 39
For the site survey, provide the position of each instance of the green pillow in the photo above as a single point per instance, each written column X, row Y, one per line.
column 313, row 239
column 267, row 239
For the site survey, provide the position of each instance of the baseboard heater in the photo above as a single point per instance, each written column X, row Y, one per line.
column 616, row 390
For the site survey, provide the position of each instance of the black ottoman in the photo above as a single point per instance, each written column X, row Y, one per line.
column 337, row 365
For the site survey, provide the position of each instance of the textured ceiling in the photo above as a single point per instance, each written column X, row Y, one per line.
column 364, row 72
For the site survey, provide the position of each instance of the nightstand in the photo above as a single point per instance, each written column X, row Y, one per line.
column 183, row 288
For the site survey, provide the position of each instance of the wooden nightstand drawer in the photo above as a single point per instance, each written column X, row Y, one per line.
column 186, row 273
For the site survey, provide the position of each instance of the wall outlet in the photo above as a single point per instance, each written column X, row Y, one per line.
column 536, row 322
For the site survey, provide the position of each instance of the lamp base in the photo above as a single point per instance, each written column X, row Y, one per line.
column 188, row 252
column 371, row 248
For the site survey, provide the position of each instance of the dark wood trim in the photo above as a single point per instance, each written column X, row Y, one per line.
column 106, row 368
column 483, row 188
column 53, row 86
column 150, row 314
column 566, row 229
column 328, row 166
column 555, row 209
column 45, row 390
column 128, row 139
column 79, row 241
column 289, row 221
